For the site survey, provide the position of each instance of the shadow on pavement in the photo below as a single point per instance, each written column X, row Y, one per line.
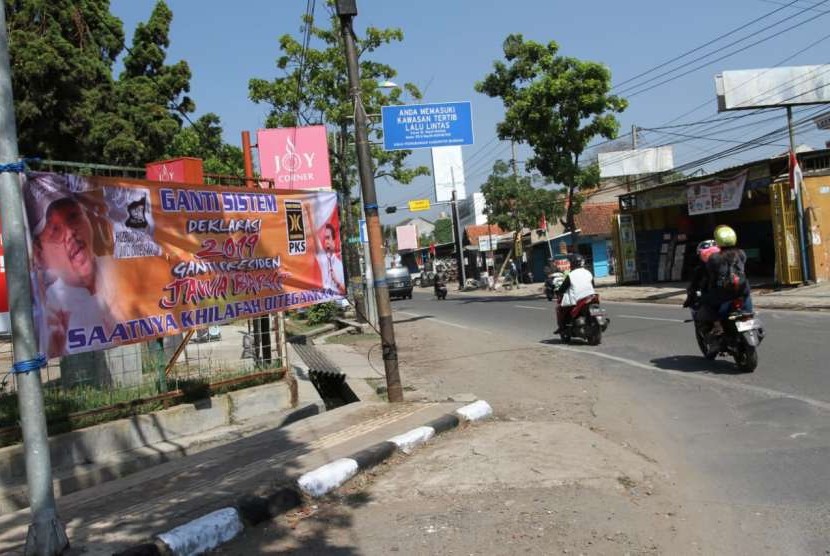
column 500, row 299
column 413, row 319
column 696, row 364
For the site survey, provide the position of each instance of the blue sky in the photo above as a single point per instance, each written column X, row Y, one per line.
column 449, row 45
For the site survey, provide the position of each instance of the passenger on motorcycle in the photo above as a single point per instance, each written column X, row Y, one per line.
column 578, row 285
column 726, row 276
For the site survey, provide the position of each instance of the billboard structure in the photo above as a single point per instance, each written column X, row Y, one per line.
column 773, row 87
column 118, row 261
column 407, row 237
column 295, row 157
column 448, row 173
column 633, row 162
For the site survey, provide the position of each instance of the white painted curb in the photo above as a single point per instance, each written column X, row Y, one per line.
column 475, row 411
column 408, row 441
column 328, row 477
column 203, row 534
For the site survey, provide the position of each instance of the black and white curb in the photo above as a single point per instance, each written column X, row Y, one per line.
column 328, row 477
column 216, row 528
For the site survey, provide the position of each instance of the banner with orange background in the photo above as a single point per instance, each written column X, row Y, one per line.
column 117, row 261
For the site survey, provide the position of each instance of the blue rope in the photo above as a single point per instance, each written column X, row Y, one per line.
column 380, row 283
column 14, row 167
column 370, row 206
column 23, row 367
column 17, row 167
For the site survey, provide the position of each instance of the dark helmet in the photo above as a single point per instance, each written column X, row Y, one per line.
column 577, row 261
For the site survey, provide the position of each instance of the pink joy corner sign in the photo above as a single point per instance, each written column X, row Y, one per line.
column 295, row 157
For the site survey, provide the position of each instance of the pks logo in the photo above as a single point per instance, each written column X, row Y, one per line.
column 296, row 227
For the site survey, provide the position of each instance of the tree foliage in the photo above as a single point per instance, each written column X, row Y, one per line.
column 513, row 203
column 314, row 90
column 149, row 97
column 68, row 104
column 443, row 231
column 203, row 140
column 556, row 105
column 61, row 54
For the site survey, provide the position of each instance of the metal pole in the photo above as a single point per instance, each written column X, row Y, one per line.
column 248, row 164
column 458, row 238
column 282, row 344
column 634, row 137
column 346, row 10
column 799, row 194
column 46, row 535
column 369, row 293
column 350, row 249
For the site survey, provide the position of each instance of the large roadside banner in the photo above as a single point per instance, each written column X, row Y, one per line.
column 117, row 261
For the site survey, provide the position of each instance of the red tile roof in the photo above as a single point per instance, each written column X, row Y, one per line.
column 474, row 232
column 595, row 220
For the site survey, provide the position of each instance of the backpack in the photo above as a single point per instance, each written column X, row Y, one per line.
column 732, row 276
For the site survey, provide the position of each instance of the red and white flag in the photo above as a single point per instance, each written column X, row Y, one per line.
column 543, row 223
column 796, row 177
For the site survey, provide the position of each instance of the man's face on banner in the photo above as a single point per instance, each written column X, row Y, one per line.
column 65, row 244
column 137, row 212
column 328, row 240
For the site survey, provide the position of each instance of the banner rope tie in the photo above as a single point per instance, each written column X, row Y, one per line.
column 29, row 365
column 17, row 167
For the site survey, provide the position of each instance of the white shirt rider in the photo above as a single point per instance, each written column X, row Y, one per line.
column 580, row 284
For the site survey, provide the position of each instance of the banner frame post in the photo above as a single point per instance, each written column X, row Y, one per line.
column 46, row 534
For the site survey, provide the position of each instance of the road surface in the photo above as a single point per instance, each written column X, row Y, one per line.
column 758, row 443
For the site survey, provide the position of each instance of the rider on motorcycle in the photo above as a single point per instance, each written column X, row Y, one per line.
column 700, row 276
column 578, row 284
column 726, row 276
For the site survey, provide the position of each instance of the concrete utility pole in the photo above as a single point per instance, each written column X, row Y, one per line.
column 46, row 536
column 346, row 10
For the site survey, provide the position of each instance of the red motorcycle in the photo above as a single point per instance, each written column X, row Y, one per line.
column 586, row 320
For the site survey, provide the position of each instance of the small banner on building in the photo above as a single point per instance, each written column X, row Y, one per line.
column 117, row 261
column 716, row 195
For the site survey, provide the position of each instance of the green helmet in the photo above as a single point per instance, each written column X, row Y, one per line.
column 725, row 236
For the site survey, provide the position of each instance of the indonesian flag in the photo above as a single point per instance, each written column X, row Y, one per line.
column 543, row 223
column 796, row 177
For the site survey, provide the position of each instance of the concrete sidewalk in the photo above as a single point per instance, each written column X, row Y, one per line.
column 812, row 297
column 119, row 514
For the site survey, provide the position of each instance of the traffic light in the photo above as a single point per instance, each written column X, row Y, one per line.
column 390, row 210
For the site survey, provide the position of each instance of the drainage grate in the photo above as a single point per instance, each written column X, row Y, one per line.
column 326, row 377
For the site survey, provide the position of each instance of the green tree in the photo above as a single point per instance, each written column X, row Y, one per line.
column 425, row 239
column 62, row 53
column 148, row 100
column 513, row 203
column 314, row 90
column 443, row 231
column 557, row 105
column 203, row 140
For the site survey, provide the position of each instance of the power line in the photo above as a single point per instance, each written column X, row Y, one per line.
column 702, row 46
column 637, row 90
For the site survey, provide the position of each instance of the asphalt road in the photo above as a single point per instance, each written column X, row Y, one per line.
column 750, row 451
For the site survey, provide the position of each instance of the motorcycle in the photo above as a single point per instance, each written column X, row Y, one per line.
column 742, row 334
column 552, row 283
column 586, row 320
column 440, row 290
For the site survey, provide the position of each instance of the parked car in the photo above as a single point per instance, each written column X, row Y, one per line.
column 400, row 282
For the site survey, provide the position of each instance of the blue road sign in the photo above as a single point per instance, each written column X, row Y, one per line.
column 423, row 126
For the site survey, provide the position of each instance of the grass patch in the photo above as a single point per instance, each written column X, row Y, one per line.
column 298, row 326
column 354, row 339
column 65, row 410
